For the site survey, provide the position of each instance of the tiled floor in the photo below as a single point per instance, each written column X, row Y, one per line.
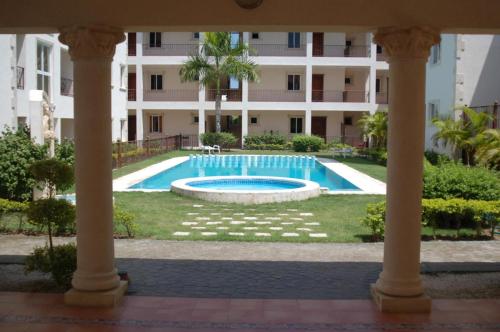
column 46, row 312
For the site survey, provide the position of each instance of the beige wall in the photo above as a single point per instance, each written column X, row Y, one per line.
column 275, row 38
column 275, row 78
column 67, row 128
column 174, row 122
column 173, row 38
column 331, row 38
column 353, row 131
column 359, row 81
column 333, row 79
column 171, row 78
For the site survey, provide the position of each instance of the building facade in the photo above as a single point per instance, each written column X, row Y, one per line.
column 41, row 62
column 310, row 83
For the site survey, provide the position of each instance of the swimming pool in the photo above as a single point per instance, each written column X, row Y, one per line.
column 298, row 167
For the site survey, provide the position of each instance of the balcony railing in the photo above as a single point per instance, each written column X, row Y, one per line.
column 276, row 50
column 231, row 94
column 66, row 86
column 132, row 96
column 382, row 56
column 277, row 95
column 20, row 77
column 341, row 51
column 171, row 95
column 381, row 97
column 171, row 49
column 339, row 96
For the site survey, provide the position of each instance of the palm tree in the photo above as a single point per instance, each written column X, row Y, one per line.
column 488, row 152
column 219, row 59
column 374, row 126
column 465, row 134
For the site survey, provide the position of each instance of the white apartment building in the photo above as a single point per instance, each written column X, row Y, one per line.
column 41, row 62
column 310, row 83
column 462, row 70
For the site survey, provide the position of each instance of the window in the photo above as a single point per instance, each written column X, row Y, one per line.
column 235, row 39
column 436, row 54
column 293, row 82
column 196, row 35
column 348, row 43
column 379, row 49
column 348, row 81
column 155, row 124
column 255, row 35
column 348, row 121
column 43, row 67
column 296, row 125
column 196, row 119
column 253, row 120
column 155, row 39
column 294, row 40
column 377, row 85
column 156, row 82
column 432, row 111
column 234, row 83
column 123, row 77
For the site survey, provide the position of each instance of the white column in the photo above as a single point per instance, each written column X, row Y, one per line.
column 373, row 74
column 95, row 281
column 201, row 99
column 399, row 287
column 244, row 125
column 138, row 44
column 244, row 100
column 309, row 68
column 307, row 120
column 139, row 124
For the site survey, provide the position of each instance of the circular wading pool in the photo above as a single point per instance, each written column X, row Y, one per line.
column 246, row 189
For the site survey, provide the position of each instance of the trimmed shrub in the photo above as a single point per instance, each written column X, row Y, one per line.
column 377, row 155
column 61, row 264
column 56, row 215
column 445, row 214
column 452, row 180
column 124, row 220
column 17, row 153
column 53, row 173
column 265, row 146
column 306, row 143
column 436, row 158
column 14, row 208
column 222, row 139
column 265, row 139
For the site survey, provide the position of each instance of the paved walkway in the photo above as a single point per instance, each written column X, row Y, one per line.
column 46, row 312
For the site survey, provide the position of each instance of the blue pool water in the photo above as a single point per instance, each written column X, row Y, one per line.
column 299, row 167
column 246, row 184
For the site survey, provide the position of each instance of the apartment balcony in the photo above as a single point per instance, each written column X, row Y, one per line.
column 170, row 95
column 230, row 94
column 341, row 51
column 131, row 95
column 20, row 78
column 66, row 87
column 331, row 96
column 171, row 49
column 277, row 95
column 277, row 50
column 382, row 98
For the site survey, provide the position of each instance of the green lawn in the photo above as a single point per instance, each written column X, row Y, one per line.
column 366, row 166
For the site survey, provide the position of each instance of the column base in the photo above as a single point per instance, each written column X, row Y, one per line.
column 397, row 304
column 109, row 298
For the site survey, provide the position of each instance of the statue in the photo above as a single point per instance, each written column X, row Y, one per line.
column 48, row 126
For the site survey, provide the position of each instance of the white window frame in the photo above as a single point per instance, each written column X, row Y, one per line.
column 294, row 80
column 194, row 36
column 252, row 35
column 432, row 110
column 156, row 75
column 154, row 43
column 435, row 57
column 159, row 119
column 292, row 118
column 193, row 119
column 44, row 72
column 250, row 121
column 351, row 80
column 294, row 44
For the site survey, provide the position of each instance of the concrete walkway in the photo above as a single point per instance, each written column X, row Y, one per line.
column 436, row 251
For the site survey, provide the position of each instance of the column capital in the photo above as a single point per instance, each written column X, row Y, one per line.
column 410, row 42
column 87, row 42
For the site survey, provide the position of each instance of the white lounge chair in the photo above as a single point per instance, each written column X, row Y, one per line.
column 344, row 152
column 210, row 149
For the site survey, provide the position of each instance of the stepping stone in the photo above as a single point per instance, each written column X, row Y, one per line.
column 287, row 223
column 215, row 214
column 292, row 210
column 214, row 222
column 290, row 234
column 276, row 228
column 298, row 219
column 250, row 218
column 236, row 234
column 227, row 209
column 236, row 222
column 251, row 210
column 307, row 214
column 239, row 214
column 197, row 205
column 282, row 214
column 317, row 235
column 202, row 218
column 250, row 228
column 222, row 227
column 192, row 213
column 262, row 222
column 262, row 234
column 259, row 214
column 227, row 218
column 181, row 233
column 311, row 223
column 208, row 233
column 198, row 227
column 304, row 229
column 187, row 223
column 272, row 218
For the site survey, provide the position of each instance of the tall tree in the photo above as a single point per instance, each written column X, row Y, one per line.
column 374, row 126
column 220, row 58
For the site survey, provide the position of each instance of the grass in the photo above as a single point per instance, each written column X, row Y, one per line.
column 366, row 166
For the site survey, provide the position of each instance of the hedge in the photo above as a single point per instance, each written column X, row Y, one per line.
column 306, row 143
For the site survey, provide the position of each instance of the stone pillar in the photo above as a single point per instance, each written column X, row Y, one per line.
column 95, row 282
column 307, row 120
column 399, row 287
column 139, row 124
